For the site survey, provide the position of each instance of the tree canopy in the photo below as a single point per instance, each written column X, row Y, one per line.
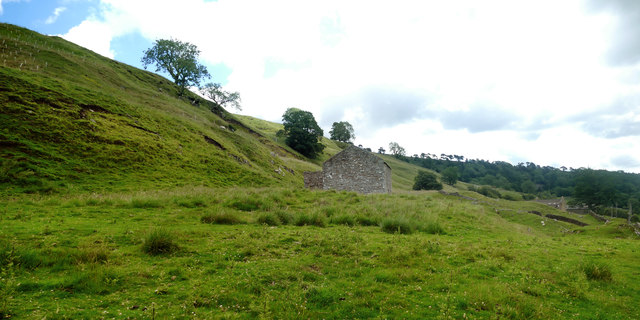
column 302, row 131
column 426, row 181
column 179, row 59
column 223, row 98
column 396, row 149
column 342, row 131
column 450, row 175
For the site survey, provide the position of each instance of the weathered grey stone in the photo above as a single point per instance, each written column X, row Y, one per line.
column 352, row 169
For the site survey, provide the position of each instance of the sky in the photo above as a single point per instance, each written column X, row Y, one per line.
column 556, row 83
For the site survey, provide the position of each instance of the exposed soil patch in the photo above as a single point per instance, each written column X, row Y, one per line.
column 213, row 142
column 565, row 219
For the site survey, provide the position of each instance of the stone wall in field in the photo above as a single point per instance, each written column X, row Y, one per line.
column 352, row 169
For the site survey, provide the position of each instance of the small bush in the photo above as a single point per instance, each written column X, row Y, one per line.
column 397, row 225
column 528, row 196
column 597, row 271
column 315, row 219
column 269, row 218
column 344, row 219
column 159, row 242
column 635, row 218
column 222, row 218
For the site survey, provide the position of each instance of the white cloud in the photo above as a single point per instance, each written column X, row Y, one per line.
column 93, row 35
column 54, row 16
column 497, row 79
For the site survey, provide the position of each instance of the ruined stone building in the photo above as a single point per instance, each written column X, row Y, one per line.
column 352, row 169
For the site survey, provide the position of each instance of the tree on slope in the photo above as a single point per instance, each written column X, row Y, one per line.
column 342, row 131
column 396, row 149
column 302, row 131
column 223, row 98
column 426, row 181
column 179, row 59
column 450, row 175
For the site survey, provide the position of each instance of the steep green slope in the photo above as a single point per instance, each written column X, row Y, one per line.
column 74, row 120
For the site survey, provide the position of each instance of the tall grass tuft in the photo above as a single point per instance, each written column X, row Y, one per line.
column 597, row 271
column 92, row 255
column 432, row 227
column 397, row 225
column 285, row 217
column 159, row 242
column 146, row 203
column 367, row 220
column 224, row 217
column 269, row 218
column 314, row 219
column 344, row 219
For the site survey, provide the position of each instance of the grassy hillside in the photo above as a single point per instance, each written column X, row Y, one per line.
column 74, row 120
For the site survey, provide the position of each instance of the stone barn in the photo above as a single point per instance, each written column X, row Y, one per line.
column 352, row 169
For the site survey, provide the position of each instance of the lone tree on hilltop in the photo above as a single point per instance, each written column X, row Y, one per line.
column 342, row 131
column 396, row 149
column 179, row 59
column 426, row 181
column 223, row 98
column 302, row 131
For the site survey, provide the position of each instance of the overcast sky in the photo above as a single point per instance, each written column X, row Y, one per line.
column 551, row 82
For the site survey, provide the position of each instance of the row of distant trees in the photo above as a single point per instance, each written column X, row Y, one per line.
column 606, row 192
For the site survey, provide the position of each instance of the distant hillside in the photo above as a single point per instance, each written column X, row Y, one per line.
column 73, row 120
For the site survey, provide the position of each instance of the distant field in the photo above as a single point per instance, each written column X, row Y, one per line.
column 290, row 253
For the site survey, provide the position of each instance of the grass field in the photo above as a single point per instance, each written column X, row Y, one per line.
column 289, row 253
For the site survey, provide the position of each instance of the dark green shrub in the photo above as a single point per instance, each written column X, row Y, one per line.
column 426, row 181
column 221, row 218
column 635, row 218
column 397, row 225
column 597, row 271
column 159, row 242
column 528, row 196
column 269, row 218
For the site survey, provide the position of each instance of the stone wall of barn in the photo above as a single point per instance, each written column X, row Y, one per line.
column 358, row 170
